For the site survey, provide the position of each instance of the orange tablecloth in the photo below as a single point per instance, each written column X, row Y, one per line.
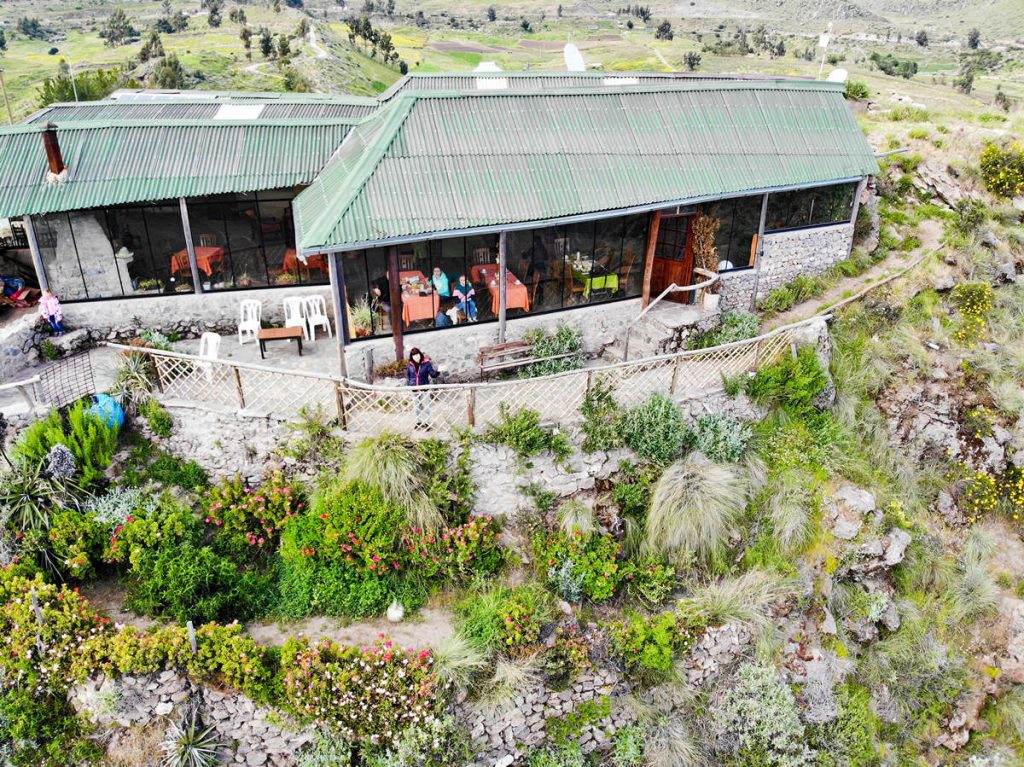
column 476, row 272
column 416, row 307
column 206, row 259
column 516, row 294
column 315, row 261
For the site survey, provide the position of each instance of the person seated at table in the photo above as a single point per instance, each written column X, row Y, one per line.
column 443, row 320
column 440, row 282
column 464, row 292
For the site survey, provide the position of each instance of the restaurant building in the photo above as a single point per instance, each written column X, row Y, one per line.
column 545, row 193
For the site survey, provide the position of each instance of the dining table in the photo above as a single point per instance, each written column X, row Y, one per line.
column 314, row 261
column 516, row 294
column 207, row 258
column 419, row 300
column 583, row 271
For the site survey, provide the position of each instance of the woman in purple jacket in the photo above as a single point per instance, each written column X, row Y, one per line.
column 418, row 372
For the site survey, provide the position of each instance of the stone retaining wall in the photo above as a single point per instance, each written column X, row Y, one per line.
column 249, row 734
column 785, row 256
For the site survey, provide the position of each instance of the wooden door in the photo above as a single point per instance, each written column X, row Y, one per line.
column 673, row 258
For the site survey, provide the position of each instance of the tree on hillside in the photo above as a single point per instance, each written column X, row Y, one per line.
column 664, row 31
column 266, row 43
column 525, row 24
column 237, row 15
column 118, row 28
column 153, row 48
column 921, row 38
column 171, row 21
column 169, row 74
column 964, row 80
column 214, row 18
column 91, row 86
column 302, row 29
column 32, row 29
column 246, row 36
column 973, row 39
column 692, row 60
column 284, row 47
column 389, row 8
column 3, row 41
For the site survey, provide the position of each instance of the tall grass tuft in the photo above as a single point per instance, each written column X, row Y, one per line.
column 695, row 507
column 745, row 599
column 388, row 463
column 511, row 677
column 794, row 507
column 673, row 737
column 574, row 515
column 457, row 662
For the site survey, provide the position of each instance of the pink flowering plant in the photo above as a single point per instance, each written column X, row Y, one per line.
column 459, row 552
column 580, row 564
column 250, row 519
column 648, row 646
column 368, row 695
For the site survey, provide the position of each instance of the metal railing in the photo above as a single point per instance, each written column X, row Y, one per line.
column 712, row 278
column 259, row 390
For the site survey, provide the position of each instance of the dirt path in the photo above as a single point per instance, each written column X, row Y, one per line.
column 663, row 59
column 930, row 233
column 426, row 629
column 254, row 69
column 319, row 52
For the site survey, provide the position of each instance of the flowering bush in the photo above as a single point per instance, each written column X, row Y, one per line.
column 568, row 657
column 41, row 637
column 589, row 560
column 253, row 517
column 649, row 581
column 650, row 645
column 76, row 541
column 506, row 620
column 1013, row 489
column 459, row 552
column 979, row 496
column 519, row 625
column 114, row 507
column 168, row 520
column 974, row 300
column 1002, row 169
column 368, row 695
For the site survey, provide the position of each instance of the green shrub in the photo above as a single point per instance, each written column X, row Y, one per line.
column 167, row 522
column 157, row 417
column 49, row 350
column 91, row 441
column 737, row 325
column 580, row 565
column 565, row 340
column 523, row 433
column 655, row 429
column 971, row 214
column 650, row 646
column 857, row 91
column 76, row 541
column 168, row 469
column 849, row 740
column 188, row 582
column 792, row 383
column 567, row 657
column 40, row 730
column 601, row 418
column 448, row 476
column 629, row 747
column 249, row 520
column 505, row 620
column 757, row 721
column 632, row 490
column 440, row 743
column 720, row 437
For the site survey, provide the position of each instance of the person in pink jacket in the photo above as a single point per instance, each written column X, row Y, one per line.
column 49, row 307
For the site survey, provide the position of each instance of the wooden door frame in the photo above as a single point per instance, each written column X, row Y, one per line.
column 687, row 259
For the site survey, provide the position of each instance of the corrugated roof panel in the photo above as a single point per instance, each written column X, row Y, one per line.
column 436, row 162
column 111, row 164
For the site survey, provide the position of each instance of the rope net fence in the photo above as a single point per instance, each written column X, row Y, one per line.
column 257, row 390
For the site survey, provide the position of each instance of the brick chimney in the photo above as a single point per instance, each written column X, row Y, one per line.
column 52, row 147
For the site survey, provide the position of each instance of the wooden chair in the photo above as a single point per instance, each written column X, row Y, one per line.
column 627, row 269
column 208, row 240
column 406, row 262
column 482, row 256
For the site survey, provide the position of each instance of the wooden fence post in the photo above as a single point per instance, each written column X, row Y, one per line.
column 590, row 380
column 339, row 396
column 156, row 373
column 238, row 389
column 675, row 377
column 471, row 406
column 192, row 637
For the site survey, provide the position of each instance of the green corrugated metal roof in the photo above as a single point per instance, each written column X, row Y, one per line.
column 441, row 162
column 112, row 163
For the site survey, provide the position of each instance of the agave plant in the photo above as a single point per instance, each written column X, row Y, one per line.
column 29, row 494
column 189, row 744
column 133, row 381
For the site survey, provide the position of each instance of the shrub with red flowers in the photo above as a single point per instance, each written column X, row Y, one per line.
column 520, row 626
column 568, row 657
column 580, row 564
column 366, row 696
column 252, row 517
column 459, row 552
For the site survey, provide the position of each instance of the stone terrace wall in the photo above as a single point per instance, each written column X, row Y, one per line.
column 787, row 255
column 456, row 348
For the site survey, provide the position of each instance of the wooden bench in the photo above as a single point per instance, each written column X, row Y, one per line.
column 511, row 355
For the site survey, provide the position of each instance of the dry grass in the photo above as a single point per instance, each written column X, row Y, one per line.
column 134, row 747
column 695, row 507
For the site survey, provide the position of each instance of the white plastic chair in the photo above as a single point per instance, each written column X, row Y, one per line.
column 315, row 309
column 249, row 319
column 209, row 348
column 293, row 317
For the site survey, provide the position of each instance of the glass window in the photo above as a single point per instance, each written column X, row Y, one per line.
column 739, row 221
column 634, row 251
column 810, row 207
column 149, row 246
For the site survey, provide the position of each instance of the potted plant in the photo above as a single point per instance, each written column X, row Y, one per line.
column 151, row 285
column 362, row 318
column 705, row 256
column 286, row 278
column 244, row 280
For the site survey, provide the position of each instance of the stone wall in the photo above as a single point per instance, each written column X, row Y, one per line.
column 785, row 256
column 249, row 734
column 17, row 345
column 186, row 314
column 457, row 348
